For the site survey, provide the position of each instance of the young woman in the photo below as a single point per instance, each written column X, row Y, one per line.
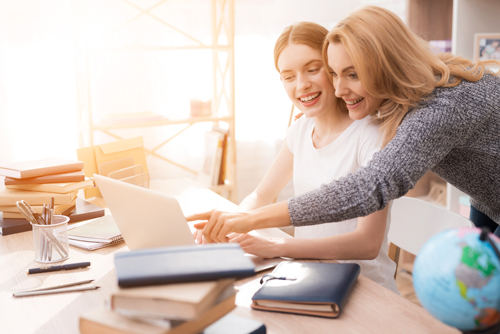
column 323, row 145
column 437, row 112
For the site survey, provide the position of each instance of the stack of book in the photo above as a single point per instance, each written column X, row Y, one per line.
column 170, row 308
column 158, row 294
column 36, row 182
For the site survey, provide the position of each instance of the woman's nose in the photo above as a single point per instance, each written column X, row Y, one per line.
column 340, row 88
column 303, row 83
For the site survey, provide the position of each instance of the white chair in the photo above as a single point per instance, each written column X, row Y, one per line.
column 414, row 221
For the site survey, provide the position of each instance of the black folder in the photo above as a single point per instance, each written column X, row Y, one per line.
column 318, row 289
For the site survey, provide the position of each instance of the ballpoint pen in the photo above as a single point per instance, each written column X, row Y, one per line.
column 67, row 266
column 57, row 289
column 35, row 218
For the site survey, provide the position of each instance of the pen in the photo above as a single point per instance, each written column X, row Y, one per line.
column 53, row 291
column 57, row 268
column 66, row 285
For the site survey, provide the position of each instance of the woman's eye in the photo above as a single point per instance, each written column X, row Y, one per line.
column 313, row 70
column 333, row 74
column 288, row 78
column 353, row 75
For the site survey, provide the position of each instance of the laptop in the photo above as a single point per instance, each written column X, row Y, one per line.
column 149, row 219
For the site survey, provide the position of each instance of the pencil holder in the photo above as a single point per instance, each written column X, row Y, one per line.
column 51, row 241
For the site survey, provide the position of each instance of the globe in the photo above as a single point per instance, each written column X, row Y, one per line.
column 456, row 277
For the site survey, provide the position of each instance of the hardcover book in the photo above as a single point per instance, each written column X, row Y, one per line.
column 199, row 263
column 41, row 167
column 59, row 188
column 11, row 196
column 182, row 301
column 106, row 321
column 12, row 226
column 77, row 176
column 319, row 289
column 82, row 211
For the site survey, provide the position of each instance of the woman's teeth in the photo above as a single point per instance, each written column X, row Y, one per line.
column 354, row 102
column 309, row 98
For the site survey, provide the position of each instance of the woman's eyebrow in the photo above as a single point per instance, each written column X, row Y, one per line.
column 348, row 68
column 306, row 64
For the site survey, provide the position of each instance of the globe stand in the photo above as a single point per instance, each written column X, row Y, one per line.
column 492, row 330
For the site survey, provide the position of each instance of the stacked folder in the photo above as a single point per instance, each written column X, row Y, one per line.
column 36, row 182
column 158, row 294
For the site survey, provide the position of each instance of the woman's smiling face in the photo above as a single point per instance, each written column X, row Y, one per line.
column 347, row 84
column 305, row 79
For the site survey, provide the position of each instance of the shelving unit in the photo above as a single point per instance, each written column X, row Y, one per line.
column 220, row 43
column 470, row 17
column 457, row 20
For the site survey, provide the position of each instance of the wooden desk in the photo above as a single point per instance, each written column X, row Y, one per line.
column 370, row 309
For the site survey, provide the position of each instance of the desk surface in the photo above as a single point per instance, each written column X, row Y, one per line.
column 370, row 308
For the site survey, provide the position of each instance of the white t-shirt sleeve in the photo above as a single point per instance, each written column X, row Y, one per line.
column 370, row 143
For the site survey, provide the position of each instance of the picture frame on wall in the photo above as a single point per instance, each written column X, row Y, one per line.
column 487, row 46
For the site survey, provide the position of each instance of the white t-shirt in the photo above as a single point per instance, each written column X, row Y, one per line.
column 312, row 167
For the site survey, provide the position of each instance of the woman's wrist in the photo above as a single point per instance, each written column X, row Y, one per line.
column 275, row 215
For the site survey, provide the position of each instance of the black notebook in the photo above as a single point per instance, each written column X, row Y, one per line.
column 319, row 289
column 181, row 264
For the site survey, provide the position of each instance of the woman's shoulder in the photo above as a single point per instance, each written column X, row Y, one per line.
column 368, row 126
column 301, row 124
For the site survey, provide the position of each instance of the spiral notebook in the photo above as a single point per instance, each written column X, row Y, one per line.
column 99, row 230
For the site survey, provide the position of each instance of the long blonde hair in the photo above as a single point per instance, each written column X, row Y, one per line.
column 307, row 33
column 395, row 64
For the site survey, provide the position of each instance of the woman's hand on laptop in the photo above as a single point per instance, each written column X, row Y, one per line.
column 263, row 247
column 217, row 225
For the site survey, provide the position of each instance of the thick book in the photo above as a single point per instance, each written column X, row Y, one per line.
column 102, row 320
column 83, row 211
column 77, row 176
column 59, row 188
column 12, row 226
column 11, row 196
column 34, row 168
column 61, row 209
column 318, row 289
column 182, row 264
column 102, row 229
column 234, row 324
column 182, row 301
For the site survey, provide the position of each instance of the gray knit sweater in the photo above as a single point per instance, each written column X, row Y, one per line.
column 455, row 134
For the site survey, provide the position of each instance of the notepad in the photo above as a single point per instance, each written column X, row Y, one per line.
column 103, row 230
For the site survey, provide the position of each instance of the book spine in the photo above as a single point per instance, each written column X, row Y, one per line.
column 38, row 200
column 145, row 281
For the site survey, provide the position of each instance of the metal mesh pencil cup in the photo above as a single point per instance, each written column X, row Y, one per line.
column 51, row 241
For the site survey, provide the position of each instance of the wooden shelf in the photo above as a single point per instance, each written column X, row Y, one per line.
column 221, row 45
column 191, row 120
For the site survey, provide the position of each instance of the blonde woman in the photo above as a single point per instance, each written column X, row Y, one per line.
column 323, row 145
column 437, row 112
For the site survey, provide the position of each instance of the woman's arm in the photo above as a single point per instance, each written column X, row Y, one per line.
column 276, row 178
column 278, row 175
column 362, row 244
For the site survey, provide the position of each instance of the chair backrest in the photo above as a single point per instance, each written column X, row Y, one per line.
column 414, row 221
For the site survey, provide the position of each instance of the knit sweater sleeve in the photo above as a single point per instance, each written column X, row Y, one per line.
column 427, row 134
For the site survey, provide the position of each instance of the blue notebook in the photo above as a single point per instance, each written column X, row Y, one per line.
column 182, row 264
column 319, row 289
